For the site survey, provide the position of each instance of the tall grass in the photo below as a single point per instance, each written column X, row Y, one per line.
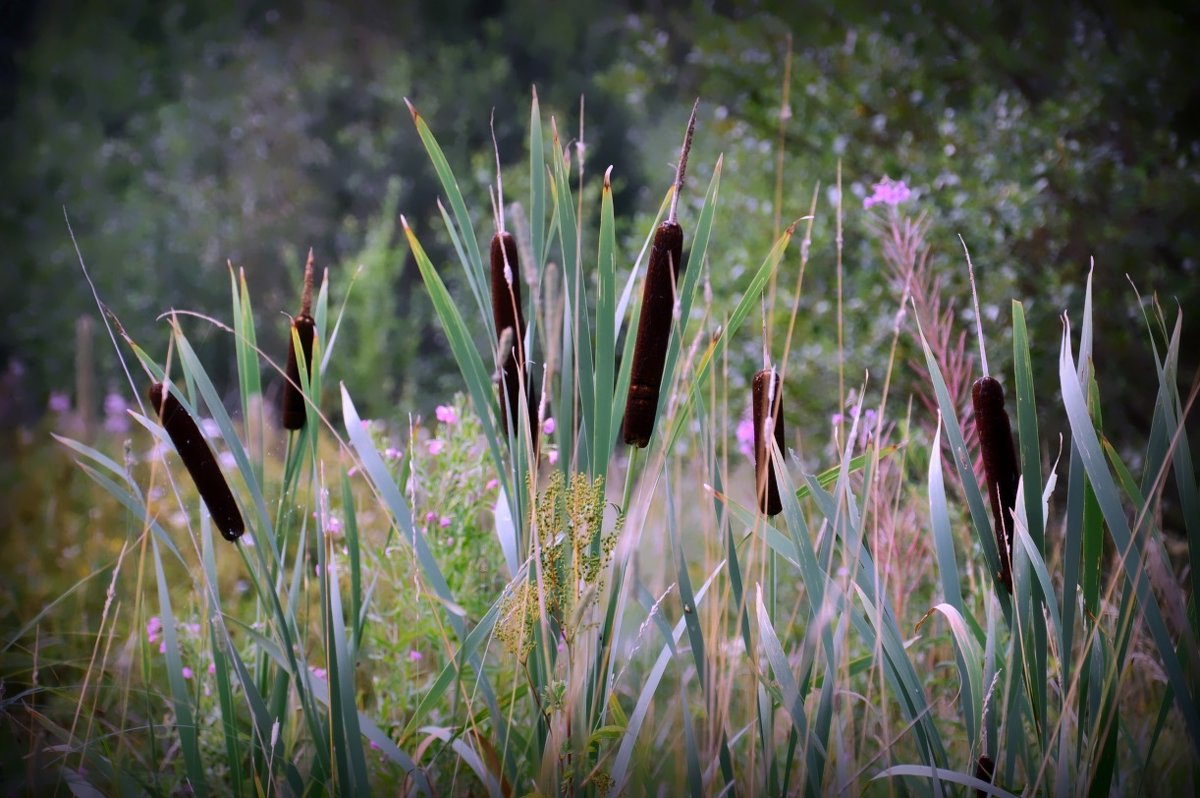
column 655, row 631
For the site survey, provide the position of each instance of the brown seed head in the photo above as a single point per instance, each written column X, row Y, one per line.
column 985, row 770
column 999, row 465
column 508, row 313
column 292, row 406
column 198, row 458
column 653, row 334
column 768, row 407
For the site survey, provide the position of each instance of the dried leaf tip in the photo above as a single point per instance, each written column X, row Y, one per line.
column 975, row 299
column 412, row 110
column 498, row 209
column 681, row 167
column 306, row 295
column 608, row 177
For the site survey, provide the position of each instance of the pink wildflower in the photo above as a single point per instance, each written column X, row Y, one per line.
column 153, row 629
column 888, row 192
column 59, row 403
column 553, row 456
column 447, row 414
column 187, row 672
column 116, row 421
column 548, row 426
column 435, row 446
column 745, row 436
column 444, row 522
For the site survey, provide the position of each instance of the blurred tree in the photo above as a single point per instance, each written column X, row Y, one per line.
column 181, row 135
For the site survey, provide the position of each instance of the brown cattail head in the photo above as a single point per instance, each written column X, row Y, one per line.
column 653, row 334
column 999, row 465
column 292, row 406
column 508, row 313
column 985, row 770
column 198, row 458
column 768, row 408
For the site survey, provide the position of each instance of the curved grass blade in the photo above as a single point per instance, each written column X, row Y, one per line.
column 942, row 774
column 943, row 537
column 792, row 701
column 537, row 185
column 606, row 332
column 966, row 471
column 476, row 376
column 181, row 700
column 970, row 668
column 1109, row 498
column 463, row 228
column 620, row 769
column 576, row 307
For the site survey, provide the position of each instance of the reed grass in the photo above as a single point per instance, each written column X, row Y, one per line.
column 655, row 632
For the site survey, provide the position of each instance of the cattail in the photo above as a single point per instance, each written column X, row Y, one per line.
column 658, row 305
column 768, row 402
column 985, row 770
column 509, row 316
column 292, row 406
column 999, row 465
column 198, row 458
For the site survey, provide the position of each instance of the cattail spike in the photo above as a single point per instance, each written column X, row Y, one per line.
column 999, row 465
column 681, row 167
column 653, row 334
column 509, row 317
column 292, row 409
column 767, row 396
column 199, row 460
column 975, row 299
column 985, row 770
column 306, row 295
column 658, row 309
column 499, row 177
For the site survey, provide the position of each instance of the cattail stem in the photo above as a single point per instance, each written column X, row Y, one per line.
column 999, row 465
column 768, row 410
column 292, row 407
column 200, row 462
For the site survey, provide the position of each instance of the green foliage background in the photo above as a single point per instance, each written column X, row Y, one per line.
column 181, row 136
